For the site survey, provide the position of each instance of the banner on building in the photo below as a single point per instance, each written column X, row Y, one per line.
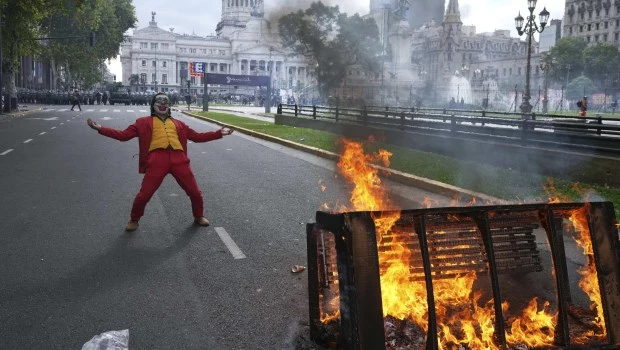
column 231, row 79
column 197, row 69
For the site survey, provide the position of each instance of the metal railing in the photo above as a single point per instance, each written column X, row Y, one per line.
column 596, row 134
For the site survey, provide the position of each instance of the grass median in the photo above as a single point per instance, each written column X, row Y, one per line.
column 508, row 184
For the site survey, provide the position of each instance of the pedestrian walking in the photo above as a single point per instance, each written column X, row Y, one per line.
column 162, row 144
column 75, row 99
column 583, row 106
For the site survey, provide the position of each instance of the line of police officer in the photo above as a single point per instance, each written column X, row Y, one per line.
column 60, row 97
column 88, row 97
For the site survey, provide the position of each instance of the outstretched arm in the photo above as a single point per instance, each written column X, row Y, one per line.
column 121, row 135
column 208, row 136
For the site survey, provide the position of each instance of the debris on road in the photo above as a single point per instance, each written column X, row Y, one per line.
column 112, row 340
column 298, row 269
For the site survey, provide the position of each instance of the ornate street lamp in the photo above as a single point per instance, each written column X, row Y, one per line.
column 529, row 29
column 546, row 64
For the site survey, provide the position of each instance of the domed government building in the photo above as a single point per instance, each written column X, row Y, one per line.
column 245, row 44
column 427, row 48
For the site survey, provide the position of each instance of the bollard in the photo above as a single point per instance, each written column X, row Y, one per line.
column 337, row 113
column 600, row 122
column 296, row 113
column 402, row 120
column 279, row 111
column 313, row 112
column 453, row 122
column 386, row 111
column 524, row 128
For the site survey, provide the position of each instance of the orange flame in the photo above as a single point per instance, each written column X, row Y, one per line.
column 552, row 192
column 462, row 319
column 534, row 328
column 355, row 166
column 589, row 277
column 427, row 202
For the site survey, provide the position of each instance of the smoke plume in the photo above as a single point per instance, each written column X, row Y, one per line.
column 275, row 9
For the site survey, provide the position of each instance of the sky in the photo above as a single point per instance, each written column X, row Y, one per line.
column 201, row 16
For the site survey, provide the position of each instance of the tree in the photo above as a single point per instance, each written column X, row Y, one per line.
column 108, row 19
column 25, row 23
column 602, row 61
column 20, row 21
column 134, row 80
column 333, row 40
column 567, row 58
column 579, row 87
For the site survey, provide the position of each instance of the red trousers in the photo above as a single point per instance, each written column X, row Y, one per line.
column 161, row 163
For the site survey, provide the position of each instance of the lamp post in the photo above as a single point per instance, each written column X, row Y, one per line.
column 545, row 65
column 530, row 29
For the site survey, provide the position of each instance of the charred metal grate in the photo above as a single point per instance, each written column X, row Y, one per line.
column 500, row 243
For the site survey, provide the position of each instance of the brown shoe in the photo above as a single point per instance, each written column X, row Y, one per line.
column 131, row 226
column 202, row 221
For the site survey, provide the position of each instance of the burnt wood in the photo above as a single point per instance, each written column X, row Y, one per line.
column 353, row 239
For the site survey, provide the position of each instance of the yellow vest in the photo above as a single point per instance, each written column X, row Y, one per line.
column 164, row 135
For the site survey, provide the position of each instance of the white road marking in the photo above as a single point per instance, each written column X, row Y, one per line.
column 27, row 140
column 130, row 110
column 53, row 127
column 117, row 111
column 90, row 110
column 43, row 133
column 103, row 110
column 106, row 118
column 62, row 123
column 47, row 119
column 143, row 111
column 230, row 244
column 6, row 152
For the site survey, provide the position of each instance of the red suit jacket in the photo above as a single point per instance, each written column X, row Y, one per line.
column 143, row 129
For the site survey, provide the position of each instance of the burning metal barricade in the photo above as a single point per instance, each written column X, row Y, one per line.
column 511, row 277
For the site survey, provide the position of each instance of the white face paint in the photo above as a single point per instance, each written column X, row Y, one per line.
column 162, row 106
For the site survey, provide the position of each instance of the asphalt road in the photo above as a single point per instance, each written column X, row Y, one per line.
column 68, row 270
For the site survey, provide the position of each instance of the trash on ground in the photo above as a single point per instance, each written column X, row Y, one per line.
column 298, row 269
column 112, row 340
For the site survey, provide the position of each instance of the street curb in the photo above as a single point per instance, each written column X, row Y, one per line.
column 407, row 179
column 233, row 111
column 15, row 115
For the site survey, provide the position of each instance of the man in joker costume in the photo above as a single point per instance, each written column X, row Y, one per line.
column 163, row 150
